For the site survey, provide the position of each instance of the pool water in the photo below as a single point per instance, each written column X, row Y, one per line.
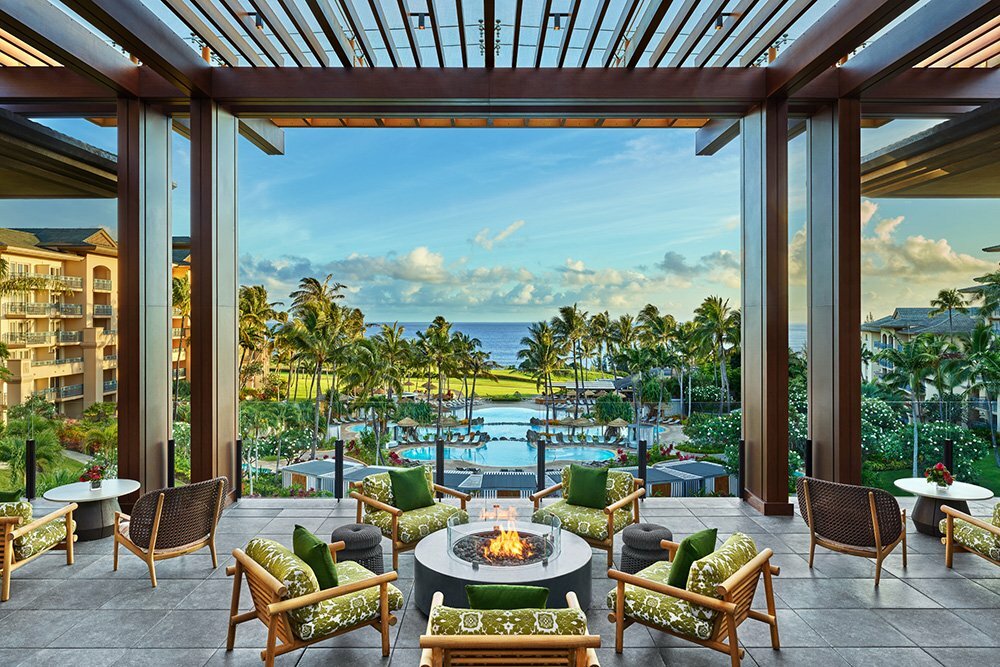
column 508, row 453
column 511, row 423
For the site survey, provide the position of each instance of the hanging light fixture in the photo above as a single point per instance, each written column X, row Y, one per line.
column 258, row 20
column 421, row 18
column 557, row 18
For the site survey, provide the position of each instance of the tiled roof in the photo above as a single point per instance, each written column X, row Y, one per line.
column 913, row 321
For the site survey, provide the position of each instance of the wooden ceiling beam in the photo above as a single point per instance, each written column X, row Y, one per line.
column 225, row 27
column 962, row 48
column 358, row 29
column 334, row 32
column 774, row 32
column 595, row 29
column 383, row 29
column 50, row 30
column 644, row 31
column 981, row 57
column 618, row 33
column 436, row 31
column 574, row 10
column 736, row 17
column 543, row 26
column 756, row 23
column 190, row 18
column 835, row 34
column 673, row 30
column 489, row 33
column 411, row 33
column 516, row 42
column 920, row 35
column 257, row 36
column 700, row 29
column 281, row 33
column 28, row 49
column 460, row 18
column 302, row 27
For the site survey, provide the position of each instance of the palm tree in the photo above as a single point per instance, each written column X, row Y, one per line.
column 313, row 291
column 441, row 354
column 624, row 333
column 911, row 363
column 540, row 357
column 480, row 365
column 718, row 327
column 988, row 294
column 570, row 326
column 255, row 315
column 599, row 328
column 948, row 301
column 635, row 362
column 181, row 300
column 688, row 350
column 982, row 371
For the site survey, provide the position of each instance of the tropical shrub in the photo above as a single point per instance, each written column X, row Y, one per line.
column 878, row 420
column 967, row 448
column 611, row 407
column 419, row 411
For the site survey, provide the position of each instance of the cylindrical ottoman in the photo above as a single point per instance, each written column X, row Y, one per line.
column 641, row 546
column 364, row 545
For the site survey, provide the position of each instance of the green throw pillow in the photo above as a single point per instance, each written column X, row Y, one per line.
column 588, row 487
column 500, row 596
column 316, row 554
column 692, row 548
column 409, row 488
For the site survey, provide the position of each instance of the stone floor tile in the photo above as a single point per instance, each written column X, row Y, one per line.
column 850, row 594
column 960, row 656
column 646, row 657
column 987, row 620
column 190, row 629
column 880, row 657
column 167, row 657
column 355, row 657
column 139, row 594
column 697, row 656
column 78, row 657
column 794, row 566
column 853, row 627
column 247, row 657
column 918, row 566
column 957, row 593
column 798, row 657
column 113, row 628
column 844, row 566
column 937, row 628
column 793, row 631
column 213, row 594
column 30, row 628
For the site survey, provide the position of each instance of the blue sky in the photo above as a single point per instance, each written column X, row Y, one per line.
column 493, row 225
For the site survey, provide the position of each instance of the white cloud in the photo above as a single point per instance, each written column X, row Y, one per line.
column 484, row 239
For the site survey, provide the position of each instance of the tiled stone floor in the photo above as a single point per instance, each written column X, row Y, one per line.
column 832, row 615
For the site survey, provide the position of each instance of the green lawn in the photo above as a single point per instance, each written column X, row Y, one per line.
column 987, row 474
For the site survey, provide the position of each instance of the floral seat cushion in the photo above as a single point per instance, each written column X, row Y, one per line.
column 583, row 521
column 44, row 537
column 663, row 611
column 708, row 573
column 327, row 616
column 976, row 538
column 507, row 622
column 417, row 524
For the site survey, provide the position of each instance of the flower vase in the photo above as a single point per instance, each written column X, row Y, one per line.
column 942, row 488
column 95, row 484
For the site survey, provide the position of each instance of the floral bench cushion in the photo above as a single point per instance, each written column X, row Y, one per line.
column 327, row 616
column 379, row 487
column 976, row 538
column 417, row 524
column 620, row 484
column 44, row 537
column 663, row 611
column 583, row 521
column 505, row 622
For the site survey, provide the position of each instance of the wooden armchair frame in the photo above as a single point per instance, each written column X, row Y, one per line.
column 272, row 607
column 951, row 546
column 879, row 552
column 735, row 606
column 151, row 555
column 10, row 530
column 469, row 650
column 608, row 544
column 398, row 546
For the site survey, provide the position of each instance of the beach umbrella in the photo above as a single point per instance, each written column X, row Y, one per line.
column 618, row 423
column 407, row 422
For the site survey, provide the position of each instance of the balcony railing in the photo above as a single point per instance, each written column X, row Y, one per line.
column 111, row 357
column 70, row 391
column 44, row 309
column 110, row 385
column 28, row 337
column 175, row 332
column 71, row 282
column 69, row 337
column 71, row 309
column 57, row 362
column 102, row 284
column 109, row 332
column 48, row 391
column 101, row 310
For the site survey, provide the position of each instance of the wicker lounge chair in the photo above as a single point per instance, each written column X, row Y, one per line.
column 596, row 526
column 171, row 522
column 855, row 520
column 963, row 532
column 404, row 529
column 717, row 599
column 449, row 641
column 22, row 539
column 287, row 599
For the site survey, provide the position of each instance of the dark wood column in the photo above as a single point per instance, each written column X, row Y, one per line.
column 764, row 138
column 834, row 265
column 213, row 291
column 143, row 292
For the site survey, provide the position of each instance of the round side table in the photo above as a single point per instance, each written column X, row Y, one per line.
column 95, row 515
column 641, row 546
column 927, row 512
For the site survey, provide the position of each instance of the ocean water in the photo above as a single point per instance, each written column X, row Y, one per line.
column 503, row 339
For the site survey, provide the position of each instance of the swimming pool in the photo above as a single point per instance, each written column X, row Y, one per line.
column 508, row 453
column 511, row 423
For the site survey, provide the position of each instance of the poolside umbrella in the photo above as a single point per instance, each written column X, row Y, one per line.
column 407, row 422
column 449, row 421
column 617, row 423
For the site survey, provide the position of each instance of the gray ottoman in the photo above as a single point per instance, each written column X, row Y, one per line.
column 364, row 545
column 641, row 546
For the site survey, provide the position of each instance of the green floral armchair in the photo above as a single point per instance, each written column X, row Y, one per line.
column 376, row 506
column 478, row 636
column 597, row 526
column 718, row 597
column 288, row 600
column 963, row 532
column 23, row 539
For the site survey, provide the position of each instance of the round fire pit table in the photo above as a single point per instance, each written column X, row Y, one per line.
column 927, row 514
column 438, row 568
column 96, row 515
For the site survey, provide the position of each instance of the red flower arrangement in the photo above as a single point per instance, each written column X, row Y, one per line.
column 94, row 473
column 938, row 474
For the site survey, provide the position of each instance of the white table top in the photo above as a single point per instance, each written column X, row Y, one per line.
column 958, row 491
column 80, row 492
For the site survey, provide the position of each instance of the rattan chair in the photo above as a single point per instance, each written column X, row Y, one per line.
column 854, row 520
column 171, row 522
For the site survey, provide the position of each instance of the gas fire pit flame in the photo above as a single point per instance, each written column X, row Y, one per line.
column 508, row 544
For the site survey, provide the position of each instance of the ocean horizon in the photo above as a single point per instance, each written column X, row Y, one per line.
column 503, row 339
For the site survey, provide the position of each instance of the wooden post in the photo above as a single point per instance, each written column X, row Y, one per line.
column 213, row 292
column 834, row 266
column 144, row 293
column 764, row 138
